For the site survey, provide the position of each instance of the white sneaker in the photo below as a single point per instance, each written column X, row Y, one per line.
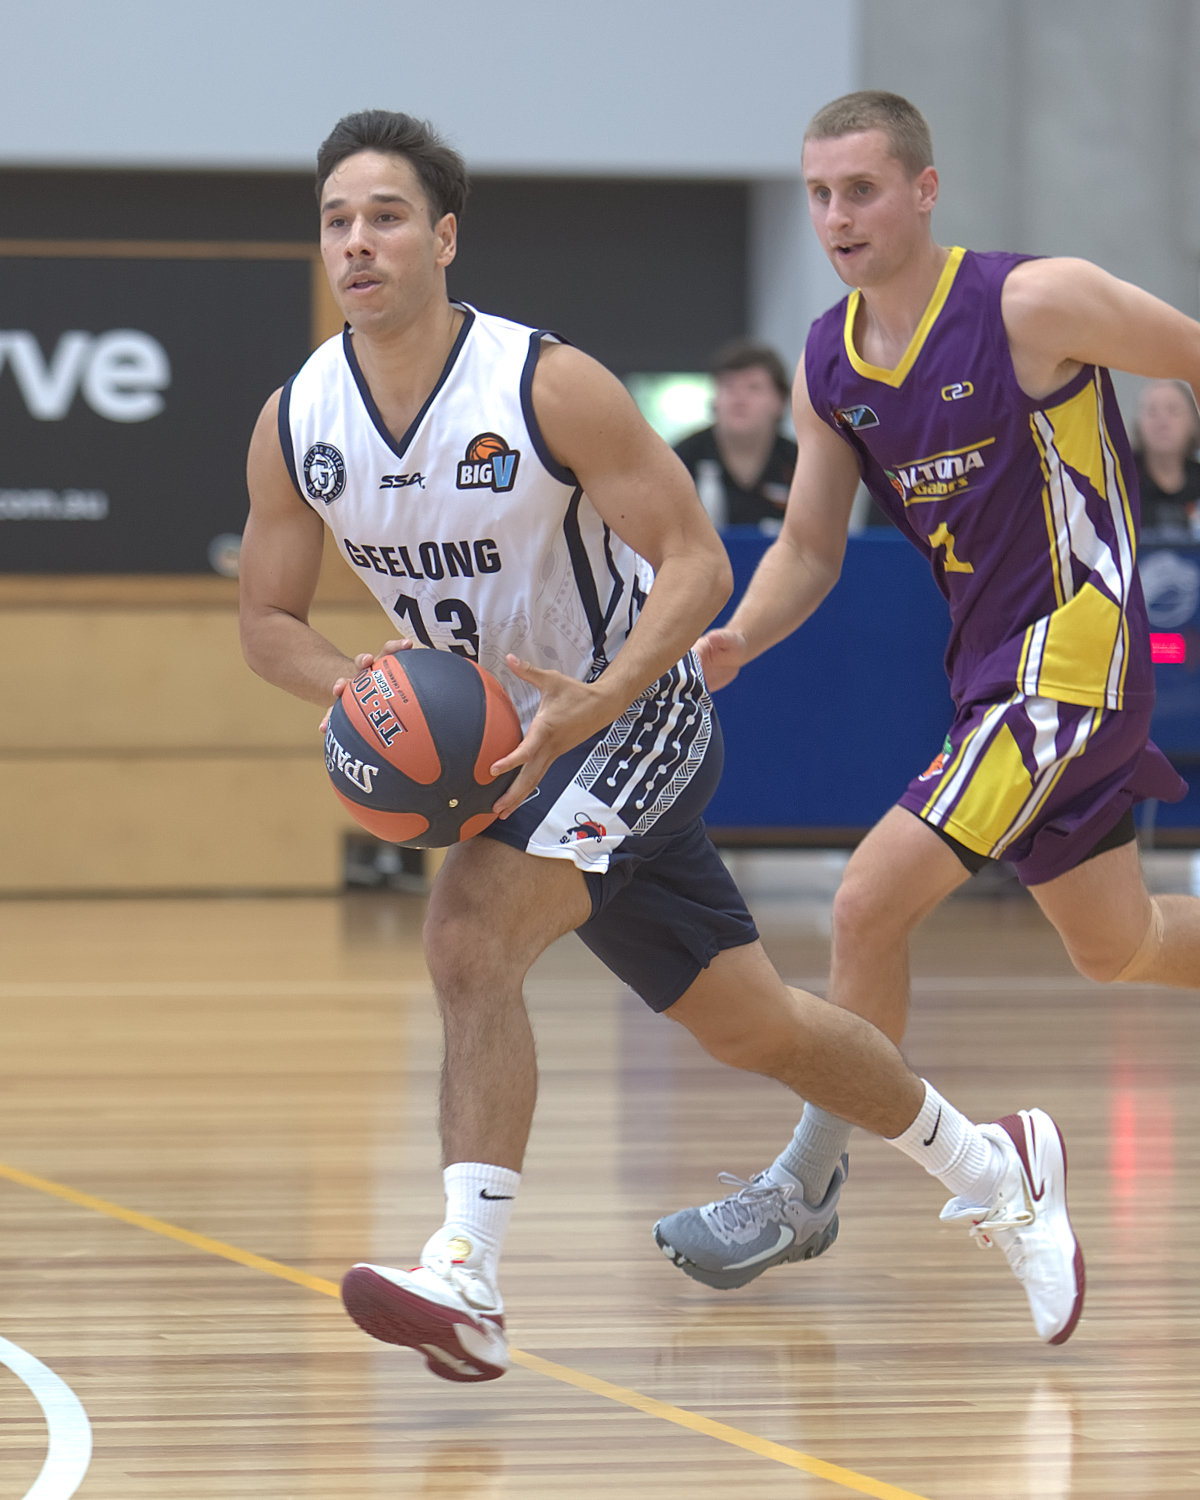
column 445, row 1308
column 1027, row 1218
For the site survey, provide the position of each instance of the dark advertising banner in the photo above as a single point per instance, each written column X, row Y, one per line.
column 129, row 387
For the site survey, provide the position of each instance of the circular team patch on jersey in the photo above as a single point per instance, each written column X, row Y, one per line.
column 324, row 472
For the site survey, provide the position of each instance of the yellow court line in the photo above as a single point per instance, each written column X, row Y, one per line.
column 794, row 1459
column 860, row 1483
column 171, row 1231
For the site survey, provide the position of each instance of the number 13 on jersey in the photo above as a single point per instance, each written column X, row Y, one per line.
column 453, row 612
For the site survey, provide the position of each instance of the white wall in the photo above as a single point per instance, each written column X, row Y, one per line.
column 614, row 87
column 668, row 87
column 1060, row 127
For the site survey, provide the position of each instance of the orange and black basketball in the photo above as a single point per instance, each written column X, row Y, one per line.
column 410, row 744
column 486, row 445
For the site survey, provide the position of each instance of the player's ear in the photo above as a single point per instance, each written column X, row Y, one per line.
column 926, row 184
column 445, row 234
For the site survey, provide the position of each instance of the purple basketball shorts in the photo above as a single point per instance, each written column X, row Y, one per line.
column 1039, row 783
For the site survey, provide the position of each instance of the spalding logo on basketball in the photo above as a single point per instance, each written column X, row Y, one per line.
column 410, row 744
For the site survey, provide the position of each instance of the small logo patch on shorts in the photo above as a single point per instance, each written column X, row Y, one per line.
column 585, row 828
column 938, row 764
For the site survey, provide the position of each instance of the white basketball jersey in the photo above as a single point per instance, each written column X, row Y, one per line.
column 470, row 534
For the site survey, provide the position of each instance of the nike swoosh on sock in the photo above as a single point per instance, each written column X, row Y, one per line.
column 932, row 1138
column 508, row 1197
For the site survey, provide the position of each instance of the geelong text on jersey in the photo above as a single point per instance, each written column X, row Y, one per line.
column 434, row 559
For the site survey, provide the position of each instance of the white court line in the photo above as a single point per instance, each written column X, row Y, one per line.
column 70, row 1449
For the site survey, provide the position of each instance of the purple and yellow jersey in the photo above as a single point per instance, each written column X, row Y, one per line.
column 1027, row 510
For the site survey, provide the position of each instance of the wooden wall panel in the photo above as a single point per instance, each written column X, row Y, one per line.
column 139, row 752
column 76, row 679
column 168, row 823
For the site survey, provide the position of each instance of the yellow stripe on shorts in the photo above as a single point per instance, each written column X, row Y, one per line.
column 999, row 788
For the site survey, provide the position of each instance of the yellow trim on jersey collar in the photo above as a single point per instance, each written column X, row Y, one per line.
column 916, row 343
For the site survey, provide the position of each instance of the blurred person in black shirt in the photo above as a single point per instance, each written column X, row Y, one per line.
column 1166, row 433
column 742, row 465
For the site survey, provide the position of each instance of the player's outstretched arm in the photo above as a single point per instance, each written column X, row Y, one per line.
column 1061, row 314
column 805, row 562
column 644, row 493
column 278, row 571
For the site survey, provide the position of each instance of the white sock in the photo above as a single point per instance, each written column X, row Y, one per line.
column 479, row 1204
column 950, row 1148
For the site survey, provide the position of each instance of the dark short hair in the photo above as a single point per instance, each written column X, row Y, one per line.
column 745, row 354
column 874, row 109
column 442, row 172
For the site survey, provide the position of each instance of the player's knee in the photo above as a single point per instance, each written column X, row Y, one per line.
column 471, row 956
column 860, row 914
column 753, row 1048
column 745, row 1051
column 1108, row 961
column 457, row 951
column 1094, row 964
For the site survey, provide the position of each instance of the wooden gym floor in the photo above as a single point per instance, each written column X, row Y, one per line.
column 260, row 1076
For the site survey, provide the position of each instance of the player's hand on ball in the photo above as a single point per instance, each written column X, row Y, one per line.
column 722, row 654
column 362, row 661
column 570, row 710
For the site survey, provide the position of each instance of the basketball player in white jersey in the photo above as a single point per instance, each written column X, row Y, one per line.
column 503, row 499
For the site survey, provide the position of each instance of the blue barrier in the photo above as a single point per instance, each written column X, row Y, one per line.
column 824, row 732
column 1171, row 581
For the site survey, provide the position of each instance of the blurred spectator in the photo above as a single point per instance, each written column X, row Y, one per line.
column 742, row 466
column 1166, row 434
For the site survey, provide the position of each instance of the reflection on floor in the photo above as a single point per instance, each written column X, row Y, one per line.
column 264, row 1072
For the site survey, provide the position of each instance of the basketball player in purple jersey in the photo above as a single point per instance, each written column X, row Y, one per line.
column 594, row 498
column 970, row 393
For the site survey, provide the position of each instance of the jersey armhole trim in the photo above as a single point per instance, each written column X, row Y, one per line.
column 585, row 581
column 284, row 420
column 821, row 409
column 549, row 462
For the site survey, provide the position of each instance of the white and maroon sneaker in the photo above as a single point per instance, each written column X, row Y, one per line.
column 445, row 1308
column 1027, row 1217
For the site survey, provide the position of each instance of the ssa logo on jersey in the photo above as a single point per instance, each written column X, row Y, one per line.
column 324, row 472
column 490, row 464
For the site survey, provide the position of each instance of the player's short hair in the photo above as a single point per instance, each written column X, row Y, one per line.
column 874, row 109
column 745, row 354
column 440, row 169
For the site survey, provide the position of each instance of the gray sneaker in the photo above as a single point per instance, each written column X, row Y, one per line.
column 728, row 1243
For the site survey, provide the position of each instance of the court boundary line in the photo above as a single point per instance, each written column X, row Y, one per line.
column 68, row 1429
column 650, row 1406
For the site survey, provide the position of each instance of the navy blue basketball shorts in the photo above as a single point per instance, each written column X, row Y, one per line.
column 625, row 807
